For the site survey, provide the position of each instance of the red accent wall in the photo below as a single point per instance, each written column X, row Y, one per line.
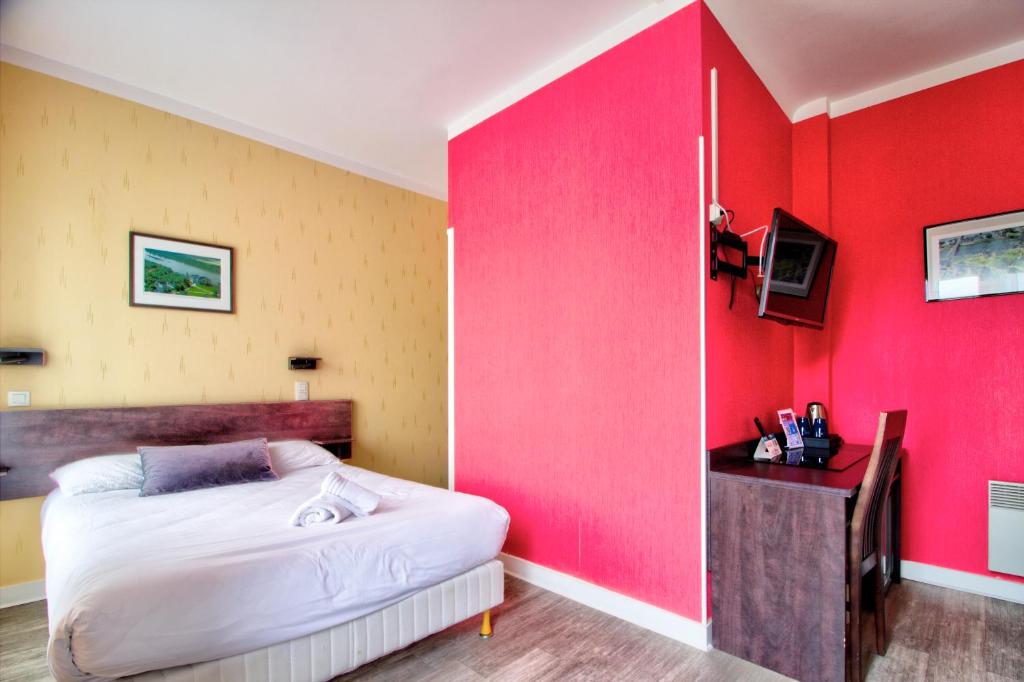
column 812, row 203
column 943, row 154
column 812, row 191
column 577, row 289
column 749, row 361
column 576, row 320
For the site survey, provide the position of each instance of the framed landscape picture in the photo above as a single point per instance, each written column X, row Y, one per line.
column 977, row 257
column 174, row 273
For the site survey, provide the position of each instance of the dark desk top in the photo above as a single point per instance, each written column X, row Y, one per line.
column 736, row 462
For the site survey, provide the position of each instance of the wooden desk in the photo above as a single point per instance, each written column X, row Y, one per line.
column 778, row 546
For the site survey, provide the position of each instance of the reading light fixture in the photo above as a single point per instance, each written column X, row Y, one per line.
column 22, row 356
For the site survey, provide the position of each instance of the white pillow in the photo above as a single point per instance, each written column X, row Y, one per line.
column 292, row 455
column 99, row 474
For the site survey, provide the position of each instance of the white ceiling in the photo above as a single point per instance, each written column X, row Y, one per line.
column 805, row 50
column 372, row 85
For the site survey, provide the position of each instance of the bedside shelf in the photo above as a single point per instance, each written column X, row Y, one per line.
column 340, row 447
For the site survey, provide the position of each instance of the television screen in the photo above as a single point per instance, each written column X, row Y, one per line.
column 797, row 272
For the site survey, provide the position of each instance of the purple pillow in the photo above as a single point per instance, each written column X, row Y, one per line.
column 177, row 468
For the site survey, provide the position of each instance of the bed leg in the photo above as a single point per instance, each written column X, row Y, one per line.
column 485, row 627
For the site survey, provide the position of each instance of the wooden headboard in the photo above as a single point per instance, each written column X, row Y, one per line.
column 35, row 442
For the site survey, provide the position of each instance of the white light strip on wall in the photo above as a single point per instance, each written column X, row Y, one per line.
column 703, row 393
column 451, row 358
column 714, row 139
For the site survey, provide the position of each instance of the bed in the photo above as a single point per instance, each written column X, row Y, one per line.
column 214, row 583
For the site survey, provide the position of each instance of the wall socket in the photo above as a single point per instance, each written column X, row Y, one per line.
column 715, row 214
column 19, row 398
column 302, row 390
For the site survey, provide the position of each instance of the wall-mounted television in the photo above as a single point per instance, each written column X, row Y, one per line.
column 798, row 264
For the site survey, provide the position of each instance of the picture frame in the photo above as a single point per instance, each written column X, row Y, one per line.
column 974, row 258
column 802, row 252
column 167, row 272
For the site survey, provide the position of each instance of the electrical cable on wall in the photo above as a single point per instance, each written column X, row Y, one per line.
column 727, row 216
column 760, row 253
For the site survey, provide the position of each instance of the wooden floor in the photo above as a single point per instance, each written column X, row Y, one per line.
column 937, row 634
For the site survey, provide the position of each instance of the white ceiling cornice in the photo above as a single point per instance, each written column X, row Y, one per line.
column 838, row 56
column 73, row 74
column 926, row 79
column 366, row 86
column 378, row 88
column 820, row 105
column 816, row 107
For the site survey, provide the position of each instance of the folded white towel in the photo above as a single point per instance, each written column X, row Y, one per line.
column 353, row 496
column 320, row 509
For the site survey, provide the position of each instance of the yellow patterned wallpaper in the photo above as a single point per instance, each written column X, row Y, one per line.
column 328, row 263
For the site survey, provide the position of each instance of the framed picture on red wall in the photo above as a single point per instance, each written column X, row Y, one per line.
column 981, row 256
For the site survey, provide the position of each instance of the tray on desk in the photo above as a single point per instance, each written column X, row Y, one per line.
column 830, row 443
column 839, row 459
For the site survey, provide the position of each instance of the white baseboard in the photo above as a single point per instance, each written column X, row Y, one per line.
column 961, row 580
column 645, row 615
column 22, row 593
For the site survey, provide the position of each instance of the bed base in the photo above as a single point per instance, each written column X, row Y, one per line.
column 335, row 651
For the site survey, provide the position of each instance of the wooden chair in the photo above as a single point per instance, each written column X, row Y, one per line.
column 866, row 532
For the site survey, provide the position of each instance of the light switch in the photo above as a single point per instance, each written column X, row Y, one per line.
column 19, row 398
column 302, row 390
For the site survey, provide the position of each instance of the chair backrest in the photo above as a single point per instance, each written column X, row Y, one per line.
column 877, row 478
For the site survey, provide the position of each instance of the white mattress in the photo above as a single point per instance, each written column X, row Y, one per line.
column 145, row 583
column 335, row 651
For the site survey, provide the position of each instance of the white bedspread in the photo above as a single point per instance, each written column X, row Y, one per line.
column 143, row 583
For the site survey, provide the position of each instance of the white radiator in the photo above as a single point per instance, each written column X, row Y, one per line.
column 1006, row 527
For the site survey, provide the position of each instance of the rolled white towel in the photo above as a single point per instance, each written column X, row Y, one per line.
column 353, row 496
column 320, row 508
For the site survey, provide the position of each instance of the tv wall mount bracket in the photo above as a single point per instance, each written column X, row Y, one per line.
column 724, row 239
